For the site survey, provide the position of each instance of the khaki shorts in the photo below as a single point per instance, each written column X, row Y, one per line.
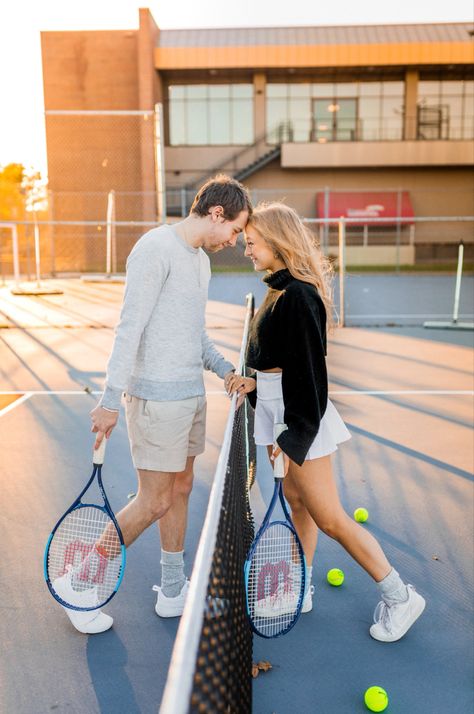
column 163, row 434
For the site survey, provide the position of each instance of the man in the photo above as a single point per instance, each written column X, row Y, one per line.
column 158, row 356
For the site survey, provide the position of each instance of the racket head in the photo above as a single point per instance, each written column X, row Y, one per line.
column 275, row 575
column 84, row 558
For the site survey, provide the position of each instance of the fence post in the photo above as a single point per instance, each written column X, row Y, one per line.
column 183, row 203
column 326, row 215
column 399, row 227
column 342, row 270
column 37, row 251
column 457, row 290
column 51, row 233
column 110, row 231
column 16, row 257
column 160, row 164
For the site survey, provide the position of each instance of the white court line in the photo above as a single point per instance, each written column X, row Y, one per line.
column 14, row 404
column 413, row 315
column 346, row 392
column 368, row 392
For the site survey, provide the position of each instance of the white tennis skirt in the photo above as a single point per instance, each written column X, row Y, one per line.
column 270, row 410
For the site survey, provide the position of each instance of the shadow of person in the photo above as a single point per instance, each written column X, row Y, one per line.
column 107, row 658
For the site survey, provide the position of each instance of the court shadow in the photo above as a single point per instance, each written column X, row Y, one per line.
column 107, row 659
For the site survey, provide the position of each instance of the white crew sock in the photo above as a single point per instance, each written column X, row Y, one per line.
column 392, row 588
column 172, row 572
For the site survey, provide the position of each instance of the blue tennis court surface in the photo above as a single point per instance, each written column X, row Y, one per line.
column 407, row 397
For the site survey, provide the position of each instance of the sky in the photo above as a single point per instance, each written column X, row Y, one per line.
column 22, row 138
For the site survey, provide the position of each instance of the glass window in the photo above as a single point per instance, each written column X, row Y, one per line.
column 299, row 90
column 277, row 115
column 393, row 89
column 176, row 92
column 241, row 91
column 449, row 88
column 346, row 89
column 214, row 114
column 323, row 89
column 242, row 121
column 177, row 123
column 444, row 109
column 196, row 91
column 299, row 119
column 428, row 88
column 219, row 121
column 392, row 108
column 197, row 122
column 277, row 90
column 219, row 91
column 369, row 118
column 370, row 89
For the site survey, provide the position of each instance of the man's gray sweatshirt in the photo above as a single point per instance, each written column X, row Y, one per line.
column 161, row 346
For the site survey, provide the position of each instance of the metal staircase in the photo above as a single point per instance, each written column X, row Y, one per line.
column 240, row 165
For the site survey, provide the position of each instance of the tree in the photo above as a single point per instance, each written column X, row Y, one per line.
column 21, row 192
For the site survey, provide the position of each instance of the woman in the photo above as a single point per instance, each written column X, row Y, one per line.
column 287, row 349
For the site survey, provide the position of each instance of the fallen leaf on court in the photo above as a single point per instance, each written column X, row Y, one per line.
column 88, row 390
column 261, row 666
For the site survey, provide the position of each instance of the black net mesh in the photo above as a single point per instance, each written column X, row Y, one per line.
column 222, row 679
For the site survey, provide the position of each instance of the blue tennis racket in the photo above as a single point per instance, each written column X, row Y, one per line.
column 275, row 569
column 84, row 558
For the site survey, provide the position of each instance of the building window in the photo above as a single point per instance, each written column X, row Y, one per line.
column 341, row 111
column 210, row 114
column 445, row 109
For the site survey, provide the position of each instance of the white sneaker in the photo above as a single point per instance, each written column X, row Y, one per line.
column 391, row 622
column 170, row 606
column 283, row 603
column 89, row 622
column 308, row 600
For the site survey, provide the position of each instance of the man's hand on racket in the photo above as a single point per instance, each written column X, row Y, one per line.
column 286, row 461
column 242, row 385
column 103, row 422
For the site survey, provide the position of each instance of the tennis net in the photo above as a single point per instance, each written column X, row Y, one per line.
column 211, row 663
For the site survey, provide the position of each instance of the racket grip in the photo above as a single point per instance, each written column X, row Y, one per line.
column 279, row 464
column 99, row 454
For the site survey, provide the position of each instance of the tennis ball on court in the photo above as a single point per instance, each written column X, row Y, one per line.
column 361, row 515
column 376, row 699
column 335, row 577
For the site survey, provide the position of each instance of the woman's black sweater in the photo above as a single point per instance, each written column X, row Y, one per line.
column 289, row 332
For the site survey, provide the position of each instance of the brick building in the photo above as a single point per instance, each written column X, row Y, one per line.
column 331, row 118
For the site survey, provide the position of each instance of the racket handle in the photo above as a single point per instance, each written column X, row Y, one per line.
column 279, row 464
column 98, row 454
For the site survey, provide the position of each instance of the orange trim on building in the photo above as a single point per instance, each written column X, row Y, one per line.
column 268, row 56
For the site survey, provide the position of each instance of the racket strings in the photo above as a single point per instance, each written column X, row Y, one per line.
column 85, row 548
column 276, row 581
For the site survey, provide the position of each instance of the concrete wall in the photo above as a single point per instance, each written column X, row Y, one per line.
column 441, row 191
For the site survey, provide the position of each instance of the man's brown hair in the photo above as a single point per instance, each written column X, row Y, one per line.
column 222, row 191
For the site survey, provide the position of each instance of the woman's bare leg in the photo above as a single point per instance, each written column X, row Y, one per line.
column 317, row 490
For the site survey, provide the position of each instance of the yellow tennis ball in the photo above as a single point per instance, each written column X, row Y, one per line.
column 335, row 577
column 361, row 515
column 376, row 699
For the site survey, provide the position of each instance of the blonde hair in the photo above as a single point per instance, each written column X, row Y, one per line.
column 287, row 236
